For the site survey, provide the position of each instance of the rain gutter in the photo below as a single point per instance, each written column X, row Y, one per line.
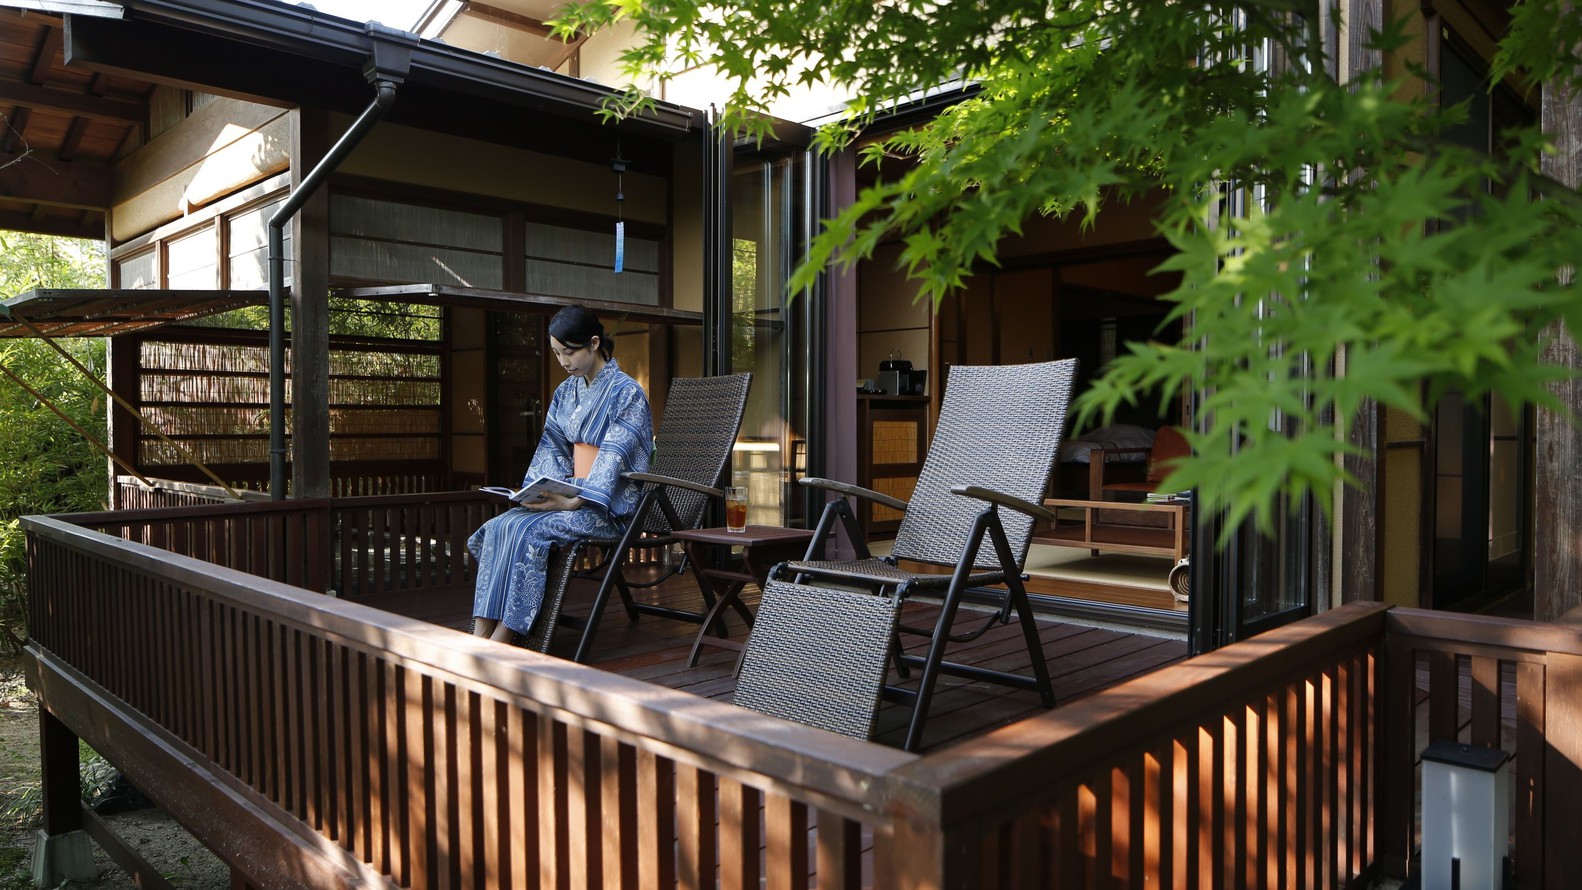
column 386, row 67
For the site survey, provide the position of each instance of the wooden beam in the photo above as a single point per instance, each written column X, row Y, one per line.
column 115, row 110
column 567, row 52
column 48, row 48
column 73, row 141
column 145, row 874
column 505, row 17
column 13, row 132
column 46, row 179
column 65, row 228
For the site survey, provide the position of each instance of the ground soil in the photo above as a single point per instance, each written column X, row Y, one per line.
column 157, row 837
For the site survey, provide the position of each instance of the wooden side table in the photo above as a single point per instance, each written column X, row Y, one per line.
column 762, row 547
column 1092, row 533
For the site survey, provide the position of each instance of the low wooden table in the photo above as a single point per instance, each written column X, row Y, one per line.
column 762, row 547
column 1100, row 533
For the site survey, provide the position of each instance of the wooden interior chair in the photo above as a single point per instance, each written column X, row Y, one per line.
column 1168, row 445
column 702, row 417
column 826, row 631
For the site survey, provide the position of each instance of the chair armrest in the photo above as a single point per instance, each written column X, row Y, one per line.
column 1004, row 500
column 672, row 481
column 845, row 488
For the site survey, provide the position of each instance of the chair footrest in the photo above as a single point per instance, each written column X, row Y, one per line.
column 818, row 655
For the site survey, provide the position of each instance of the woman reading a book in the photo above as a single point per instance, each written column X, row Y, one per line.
column 598, row 427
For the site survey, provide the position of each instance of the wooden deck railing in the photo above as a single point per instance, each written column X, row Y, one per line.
column 354, row 547
column 375, row 746
column 280, row 540
column 1251, row 766
column 1496, row 683
column 313, row 742
column 132, row 494
column 251, row 482
column 406, row 542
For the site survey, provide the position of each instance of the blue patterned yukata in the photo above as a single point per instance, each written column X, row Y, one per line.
column 513, row 548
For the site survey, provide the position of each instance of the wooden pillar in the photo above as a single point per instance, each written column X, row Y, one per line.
column 920, row 851
column 58, row 766
column 840, row 329
column 124, row 361
column 1557, row 501
column 1361, row 520
column 1562, row 866
column 61, row 851
column 310, row 340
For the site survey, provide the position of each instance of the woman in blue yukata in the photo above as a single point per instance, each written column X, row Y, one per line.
column 599, row 426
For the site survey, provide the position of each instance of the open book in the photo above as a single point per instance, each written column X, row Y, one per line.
column 535, row 489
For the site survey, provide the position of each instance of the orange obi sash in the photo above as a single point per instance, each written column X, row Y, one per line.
column 582, row 456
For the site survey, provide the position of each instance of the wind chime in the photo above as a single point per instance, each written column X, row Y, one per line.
column 618, row 164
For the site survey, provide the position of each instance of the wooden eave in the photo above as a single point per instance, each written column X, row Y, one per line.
column 297, row 55
column 95, row 312
column 64, row 127
column 304, row 35
column 75, row 90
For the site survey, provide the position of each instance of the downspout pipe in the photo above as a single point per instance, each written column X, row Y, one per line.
column 386, row 69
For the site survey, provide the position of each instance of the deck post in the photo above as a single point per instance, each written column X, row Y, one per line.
column 921, row 851
column 1562, row 771
column 61, row 850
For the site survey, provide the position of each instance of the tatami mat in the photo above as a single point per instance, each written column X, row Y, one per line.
column 1075, row 564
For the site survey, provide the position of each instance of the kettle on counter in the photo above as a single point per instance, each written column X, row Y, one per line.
column 895, row 374
column 895, row 362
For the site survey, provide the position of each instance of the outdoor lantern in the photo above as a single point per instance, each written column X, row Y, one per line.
column 1466, row 816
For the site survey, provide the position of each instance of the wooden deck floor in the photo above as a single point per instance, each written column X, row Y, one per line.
column 1082, row 660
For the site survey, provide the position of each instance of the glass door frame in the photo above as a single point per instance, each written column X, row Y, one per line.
column 787, row 203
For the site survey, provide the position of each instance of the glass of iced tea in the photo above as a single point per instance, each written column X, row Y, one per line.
column 736, row 508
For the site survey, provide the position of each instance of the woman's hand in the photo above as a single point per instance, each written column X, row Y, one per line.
column 554, row 502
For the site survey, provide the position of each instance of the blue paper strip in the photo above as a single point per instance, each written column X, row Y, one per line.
column 620, row 245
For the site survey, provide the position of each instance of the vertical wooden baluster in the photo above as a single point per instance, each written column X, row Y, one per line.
column 696, row 817
column 656, row 820
column 521, row 807
column 553, row 831
column 740, row 842
column 494, row 758
column 786, row 865
column 839, row 854
column 618, row 804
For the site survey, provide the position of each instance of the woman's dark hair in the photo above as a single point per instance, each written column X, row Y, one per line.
column 576, row 327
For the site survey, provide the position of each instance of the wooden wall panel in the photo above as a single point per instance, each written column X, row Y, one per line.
column 223, row 146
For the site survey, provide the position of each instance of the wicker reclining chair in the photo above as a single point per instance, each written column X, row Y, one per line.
column 694, row 440
column 826, row 631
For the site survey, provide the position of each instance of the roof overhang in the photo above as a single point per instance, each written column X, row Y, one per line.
column 108, row 312
column 76, row 7
column 273, row 53
column 261, row 49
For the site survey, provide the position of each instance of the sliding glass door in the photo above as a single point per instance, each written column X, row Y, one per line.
column 769, row 333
